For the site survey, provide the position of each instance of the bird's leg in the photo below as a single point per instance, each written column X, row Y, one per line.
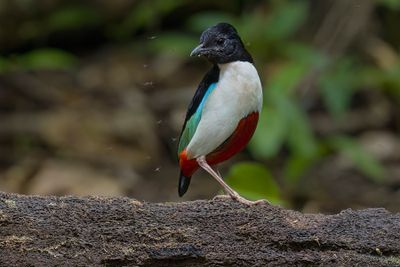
column 215, row 168
column 234, row 195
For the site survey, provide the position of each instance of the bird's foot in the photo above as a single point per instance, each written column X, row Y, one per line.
column 247, row 202
column 221, row 197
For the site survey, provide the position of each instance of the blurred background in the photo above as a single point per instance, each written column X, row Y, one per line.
column 93, row 95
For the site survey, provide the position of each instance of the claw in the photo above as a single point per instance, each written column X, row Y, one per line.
column 238, row 198
column 247, row 202
column 221, row 197
column 232, row 193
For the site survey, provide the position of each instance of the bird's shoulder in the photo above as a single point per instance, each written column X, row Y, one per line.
column 211, row 77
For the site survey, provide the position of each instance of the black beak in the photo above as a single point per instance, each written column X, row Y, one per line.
column 198, row 51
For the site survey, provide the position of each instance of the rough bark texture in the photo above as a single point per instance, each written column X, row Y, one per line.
column 95, row 231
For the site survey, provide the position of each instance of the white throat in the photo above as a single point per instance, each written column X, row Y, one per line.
column 241, row 78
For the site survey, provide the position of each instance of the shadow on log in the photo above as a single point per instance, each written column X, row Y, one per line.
column 97, row 231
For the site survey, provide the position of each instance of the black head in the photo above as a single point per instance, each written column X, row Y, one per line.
column 221, row 44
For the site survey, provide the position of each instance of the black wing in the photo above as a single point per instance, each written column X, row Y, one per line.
column 211, row 76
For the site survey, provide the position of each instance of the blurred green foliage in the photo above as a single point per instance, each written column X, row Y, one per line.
column 393, row 4
column 72, row 17
column 43, row 58
column 259, row 183
column 367, row 164
column 146, row 15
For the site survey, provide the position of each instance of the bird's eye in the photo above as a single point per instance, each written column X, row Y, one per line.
column 220, row 41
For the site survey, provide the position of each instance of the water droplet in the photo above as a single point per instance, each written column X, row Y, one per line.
column 149, row 83
column 152, row 37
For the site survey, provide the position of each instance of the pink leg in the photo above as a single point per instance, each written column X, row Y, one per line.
column 215, row 168
column 234, row 195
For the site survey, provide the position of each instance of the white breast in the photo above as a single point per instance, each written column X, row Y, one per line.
column 237, row 94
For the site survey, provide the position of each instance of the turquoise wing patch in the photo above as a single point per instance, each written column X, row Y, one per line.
column 193, row 122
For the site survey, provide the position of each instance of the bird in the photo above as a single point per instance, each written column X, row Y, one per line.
column 224, row 111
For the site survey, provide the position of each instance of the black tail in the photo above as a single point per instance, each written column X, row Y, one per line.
column 184, row 183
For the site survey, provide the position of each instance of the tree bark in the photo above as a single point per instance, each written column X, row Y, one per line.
column 102, row 231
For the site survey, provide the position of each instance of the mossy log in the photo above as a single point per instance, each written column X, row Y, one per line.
column 102, row 231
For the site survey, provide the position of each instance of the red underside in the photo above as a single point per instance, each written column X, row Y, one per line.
column 238, row 140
